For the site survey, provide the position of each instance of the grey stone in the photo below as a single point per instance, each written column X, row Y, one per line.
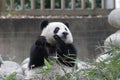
column 114, row 18
column 9, row 67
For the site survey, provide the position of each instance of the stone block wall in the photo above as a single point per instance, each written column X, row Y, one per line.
column 18, row 35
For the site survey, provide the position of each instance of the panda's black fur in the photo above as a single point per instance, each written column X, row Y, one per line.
column 66, row 52
column 38, row 53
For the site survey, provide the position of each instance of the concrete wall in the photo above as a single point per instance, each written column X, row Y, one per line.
column 17, row 35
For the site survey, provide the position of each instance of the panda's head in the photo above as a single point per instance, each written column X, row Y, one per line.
column 56, row 28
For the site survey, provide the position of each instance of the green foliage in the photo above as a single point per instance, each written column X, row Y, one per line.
column 1, row 63
column 109, row 69
column 11, row 76
column 47, row 64
column 47, row 67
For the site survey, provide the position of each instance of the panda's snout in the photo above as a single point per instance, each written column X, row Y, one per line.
column 65, row 34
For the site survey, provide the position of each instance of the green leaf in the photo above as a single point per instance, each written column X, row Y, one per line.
column 11, row 76
column 47, row 64
column 1, row 63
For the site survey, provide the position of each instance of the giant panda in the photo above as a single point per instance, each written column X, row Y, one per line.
column 55, row 39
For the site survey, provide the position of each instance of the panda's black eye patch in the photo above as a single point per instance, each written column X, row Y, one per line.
column 56, row 29
column 66, row 29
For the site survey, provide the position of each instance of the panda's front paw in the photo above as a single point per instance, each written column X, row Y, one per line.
column 60, row 42
column 40, row 41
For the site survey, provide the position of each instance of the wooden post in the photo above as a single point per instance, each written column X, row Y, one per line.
column 103, row 4
column 73, row 4
column 83, row 4
column 93, row 4
column 32, row 4
column 2, row 5
column 52, row 4
column 62, row 4
column 42, row 4
column 22, row 2
column 11, row 4
column 114, row 4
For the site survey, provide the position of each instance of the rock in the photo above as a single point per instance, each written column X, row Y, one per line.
column 55, row 71
column 114, row 18
column 83, row 65
column 38, row 73
column 113, row 39
column 24, row 65
column 9, row 67
column 103, row 57
column 19, row 77
column 41, row 73
column 1, row 59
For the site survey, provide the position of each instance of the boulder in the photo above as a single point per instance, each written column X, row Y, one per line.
column 113, row 39
column 114, row 18
column 9, row 67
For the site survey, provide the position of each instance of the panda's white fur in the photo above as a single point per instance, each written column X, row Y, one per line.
column 48, row 32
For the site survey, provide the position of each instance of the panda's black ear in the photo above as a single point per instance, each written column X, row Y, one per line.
column 44, row 24
column 66, row 24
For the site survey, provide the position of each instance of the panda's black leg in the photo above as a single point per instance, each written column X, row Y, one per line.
column 66, row 52
column 38, row 53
